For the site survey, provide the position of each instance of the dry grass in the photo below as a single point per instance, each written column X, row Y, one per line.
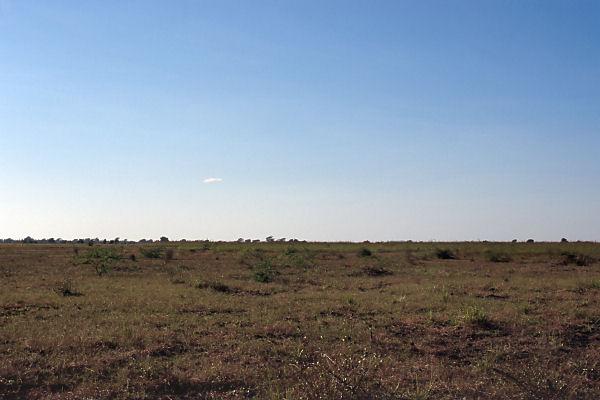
column 301, row 321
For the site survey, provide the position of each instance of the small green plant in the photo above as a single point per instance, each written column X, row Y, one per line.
column 445, row 254
column 152, row 252
column 364, row 252
column 264, row 272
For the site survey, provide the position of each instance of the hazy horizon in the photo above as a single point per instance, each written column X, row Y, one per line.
column 328, row 121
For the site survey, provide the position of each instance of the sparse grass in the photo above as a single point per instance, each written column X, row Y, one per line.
column 320, row 322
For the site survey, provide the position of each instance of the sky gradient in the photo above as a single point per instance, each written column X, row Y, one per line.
column 336, row 120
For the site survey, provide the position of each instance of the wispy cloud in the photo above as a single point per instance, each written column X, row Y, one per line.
column 212, row 180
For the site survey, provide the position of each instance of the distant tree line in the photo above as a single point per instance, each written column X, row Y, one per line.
column 117, row 240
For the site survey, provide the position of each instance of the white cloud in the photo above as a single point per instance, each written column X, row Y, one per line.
column 212, row 180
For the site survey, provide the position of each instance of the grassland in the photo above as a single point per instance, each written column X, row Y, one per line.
column 300, row 321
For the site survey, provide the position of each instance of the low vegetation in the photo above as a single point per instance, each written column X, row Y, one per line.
column 300, row 321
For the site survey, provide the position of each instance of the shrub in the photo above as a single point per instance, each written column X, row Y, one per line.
column 364, row 252
column 264, row 272
column 102, row 259
column 290, row 250
column 65, row 288
column 580, row 260
column 216, row 286
column 498, row 257
column 169, row 254
column 376, row 271
column 152, row 252
column 445, row 254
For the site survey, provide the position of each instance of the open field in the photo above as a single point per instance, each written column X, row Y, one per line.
column 300, row 321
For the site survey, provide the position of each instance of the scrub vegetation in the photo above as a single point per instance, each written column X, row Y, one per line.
column 188, row 320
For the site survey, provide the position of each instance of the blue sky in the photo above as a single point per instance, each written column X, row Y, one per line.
column 335, row 120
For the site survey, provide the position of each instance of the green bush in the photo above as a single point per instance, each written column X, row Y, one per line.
column 102, row 259
column 264, row 272
column 152, row 252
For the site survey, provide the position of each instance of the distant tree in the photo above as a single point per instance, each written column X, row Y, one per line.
column 530, row 241
column 51, row 240
column 164, row 239
column 564, row 240
column 269, row 239
column 514, row 240
column 29, row 239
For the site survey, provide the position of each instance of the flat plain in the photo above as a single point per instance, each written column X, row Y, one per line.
column 402, row 320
